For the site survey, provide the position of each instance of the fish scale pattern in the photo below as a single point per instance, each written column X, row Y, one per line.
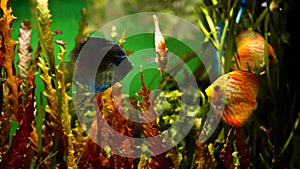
column 233, row 96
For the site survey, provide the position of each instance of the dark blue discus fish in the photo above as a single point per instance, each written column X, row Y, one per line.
column 98, row 64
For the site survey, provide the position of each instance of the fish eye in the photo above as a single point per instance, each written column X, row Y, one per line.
column 270, row 57
column 217, row 88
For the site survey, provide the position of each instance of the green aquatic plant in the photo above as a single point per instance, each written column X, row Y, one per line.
column 49, row 75
column 66, row 117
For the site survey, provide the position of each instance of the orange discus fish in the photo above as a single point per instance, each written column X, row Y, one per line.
column 233, row 96
column 160, row 47
column 250, row 47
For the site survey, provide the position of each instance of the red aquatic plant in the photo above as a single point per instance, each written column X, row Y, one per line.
column 17, row 156
column 20, row 153
column 242, row 148
column 7, row 56
column 226, row 154
column 93, row 156
column 203, row 157
column 109, row 107
column 150, row 129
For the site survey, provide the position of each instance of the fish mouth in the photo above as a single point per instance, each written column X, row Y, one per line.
column 208, row 93
column 209, row 98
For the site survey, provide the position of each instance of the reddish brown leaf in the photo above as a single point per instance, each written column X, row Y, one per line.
column 242, row 148
column 20, row 147
column 7, row 56
column 151, row 128
column 203, row 156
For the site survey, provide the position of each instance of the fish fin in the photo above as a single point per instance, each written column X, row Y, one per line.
column 162, row 45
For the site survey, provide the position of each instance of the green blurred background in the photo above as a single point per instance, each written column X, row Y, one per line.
column 66, row 15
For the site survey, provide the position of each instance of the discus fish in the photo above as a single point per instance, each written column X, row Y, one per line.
column 250, row 48
column 101, row 60
column 233, row 97
column 160, row 47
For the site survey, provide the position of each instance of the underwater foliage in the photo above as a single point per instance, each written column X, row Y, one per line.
column 41, row 129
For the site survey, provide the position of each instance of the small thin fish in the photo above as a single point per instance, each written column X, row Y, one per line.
column 234, row 97
column 57, row 32
column 160, row 47
column 60, row 42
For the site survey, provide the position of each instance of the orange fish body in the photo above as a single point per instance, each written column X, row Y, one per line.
column 160, row 47
column 250, row 48
column 233, row 96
